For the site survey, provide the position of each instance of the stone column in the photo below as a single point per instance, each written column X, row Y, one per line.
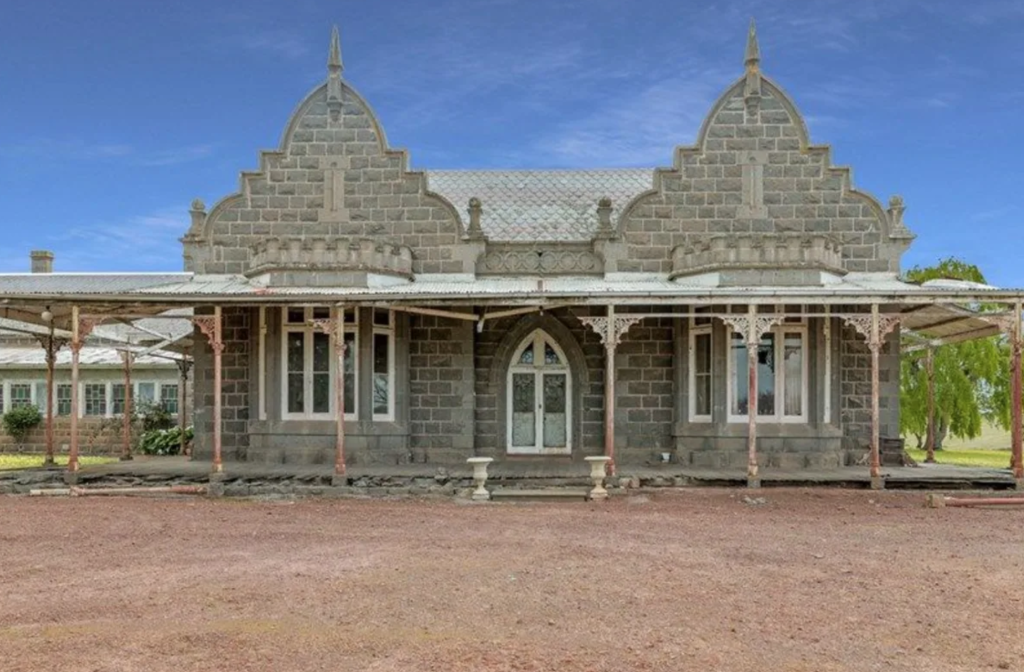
column 752, row 327
column 610, row 329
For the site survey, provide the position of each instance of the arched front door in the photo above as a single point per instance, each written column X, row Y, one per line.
column 539, row 396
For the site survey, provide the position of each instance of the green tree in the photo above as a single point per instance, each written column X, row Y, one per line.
column 970, row 377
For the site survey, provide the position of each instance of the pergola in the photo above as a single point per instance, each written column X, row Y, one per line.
column 874, row 305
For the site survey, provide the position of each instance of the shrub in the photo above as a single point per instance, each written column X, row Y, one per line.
column 18, row 422
column 163, row 441
column 154, row 416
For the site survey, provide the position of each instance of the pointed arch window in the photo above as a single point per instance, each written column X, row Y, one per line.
column 539, row 391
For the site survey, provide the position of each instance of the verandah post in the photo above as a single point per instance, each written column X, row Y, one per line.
column 76, row 347
column 126, row 449
column 929, row 441
column 875, row 344
column 339, row 391
column 1017, row 433
column 753, row 342
column 610, row 341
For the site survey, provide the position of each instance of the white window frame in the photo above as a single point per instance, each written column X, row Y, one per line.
column 700, row 330
column 536, row 340
column 159, row 401
column 388, row 331
column 107, row 399
column 779, row 332
column 7, row 392
column 308, row 329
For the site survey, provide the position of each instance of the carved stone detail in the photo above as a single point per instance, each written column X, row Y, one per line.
column 764, row 251
column 532, row 261
column 329, row 254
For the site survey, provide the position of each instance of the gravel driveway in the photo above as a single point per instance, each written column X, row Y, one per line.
column 811, row 580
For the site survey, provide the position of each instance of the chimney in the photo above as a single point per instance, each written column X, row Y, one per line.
column 42, row 261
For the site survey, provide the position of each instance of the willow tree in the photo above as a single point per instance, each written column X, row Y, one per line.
column 971, row 379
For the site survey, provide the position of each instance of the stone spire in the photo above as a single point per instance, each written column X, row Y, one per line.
column 334, row 69
column 334, row 59
column 752, row 57
column 752, row 63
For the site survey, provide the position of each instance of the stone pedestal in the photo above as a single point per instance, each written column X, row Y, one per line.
column 339, row 480
column 753, row 482
column 877, row 483
column 598, row 471
column 480, row 494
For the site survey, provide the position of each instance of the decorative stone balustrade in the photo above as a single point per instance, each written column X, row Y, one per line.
column 779, row 251
column 332, row 255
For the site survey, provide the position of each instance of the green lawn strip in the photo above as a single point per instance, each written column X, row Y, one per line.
column 20, row 461
column 997, row 459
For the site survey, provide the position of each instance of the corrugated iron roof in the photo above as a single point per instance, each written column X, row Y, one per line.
column 35, row 357
column 79, row 283
column 540, row 205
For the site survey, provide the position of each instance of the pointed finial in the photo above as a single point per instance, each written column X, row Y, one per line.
column 752, row 58
column 334, row 59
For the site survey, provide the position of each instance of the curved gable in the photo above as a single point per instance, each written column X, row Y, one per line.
column 754, row 173
column 333, row 183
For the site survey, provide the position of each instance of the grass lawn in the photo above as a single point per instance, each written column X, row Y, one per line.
column 999, row 459
column 13, row 461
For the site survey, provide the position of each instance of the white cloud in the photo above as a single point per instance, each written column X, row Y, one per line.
column 146, row 242
column 53, row 149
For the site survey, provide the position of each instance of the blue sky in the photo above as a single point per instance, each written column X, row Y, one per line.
column 114, row 115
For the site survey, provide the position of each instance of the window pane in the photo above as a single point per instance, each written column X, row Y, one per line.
column 527, row 356
column 381, row 317
column 117, row 398
column 321, row 373
column 296, row 378
column 41, row 396
column 524, row 428
column 147, row 393
column 550, row 356
column 766, row 375
column 793, row 376
column 554, row 410
column 702, row 374
column 350, row 373
column 381, row 377
column 169, row 398
column 296, row 315
column 321, row 313
column 738, row 353
column 96, row 399
column 21, row 395
column 63, row 399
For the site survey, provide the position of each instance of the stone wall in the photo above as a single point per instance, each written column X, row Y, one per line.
column 330, row 179
column 645, row 401
column 96, row 436
column 495, row 346
column 704, row 196
column 441, row 417
column 855, row 389
column 235, row 382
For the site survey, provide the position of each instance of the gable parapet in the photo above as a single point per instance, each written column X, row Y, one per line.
column 777, row 252
column 316, row 261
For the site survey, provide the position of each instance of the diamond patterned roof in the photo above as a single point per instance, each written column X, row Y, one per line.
column 540, row 205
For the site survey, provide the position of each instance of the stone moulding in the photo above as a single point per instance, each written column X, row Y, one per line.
column 765, row 251
column 534, row 260
column 330, row 254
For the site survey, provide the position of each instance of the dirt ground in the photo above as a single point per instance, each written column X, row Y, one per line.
column 819, row 580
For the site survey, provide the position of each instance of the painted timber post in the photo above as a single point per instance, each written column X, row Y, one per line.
column 874, row 328
column 929, row 364
column 127, row 359
column 212, row 328
column 334, row 327
column 752, row 327
column 610, row 329
column 80, row 330
column 1017, row 436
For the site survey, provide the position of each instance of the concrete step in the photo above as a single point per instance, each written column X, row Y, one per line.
column 539, row 494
